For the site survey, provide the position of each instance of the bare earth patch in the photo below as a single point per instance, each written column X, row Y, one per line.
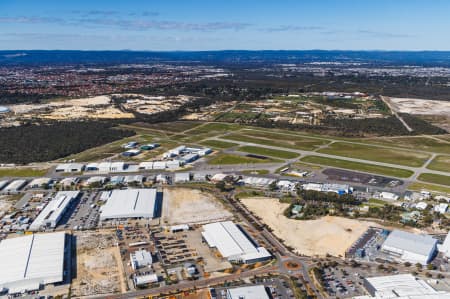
column 191, row 206
column 99, row 268
column 332, row 235
column 421, row 106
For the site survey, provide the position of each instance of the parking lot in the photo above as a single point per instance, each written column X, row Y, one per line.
column 82, row 214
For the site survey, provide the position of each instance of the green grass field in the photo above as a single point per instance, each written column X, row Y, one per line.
column 215, row 127
column 228, row 159
column 423, row 143
column 268, row 152
column 388, row 171
column 299, row 143
column 418, row 186
column 435, row 178
column 441, row 163
column 373, row 153
column 218, row 144
column 22, row 172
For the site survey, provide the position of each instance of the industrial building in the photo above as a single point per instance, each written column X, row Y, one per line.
column 410, row 247
column 250, row 292
column 334, row 188
column 15, row 186
column 445, row 247
column 106, row 167
column 256, row 182
column 149, row 146
column 232, row 243
column 388, row 196
column 70, row 167
column 3, row 184
column 129, row 203
column 141, row 258
column 182, row 177
column 39, row 183
column 29, row 262
column 54, row 210
column 131, row 153
column 402, row 286
column 141, row 280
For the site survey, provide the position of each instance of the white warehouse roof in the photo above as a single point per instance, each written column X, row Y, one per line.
column 251, row 292
column 30, row 261
column 54, row 210
column 231, row 242
column 129, row 203
column 401, row 286
column 411, row 247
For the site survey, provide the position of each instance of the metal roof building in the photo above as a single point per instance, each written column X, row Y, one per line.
column 31, row 261
column 15, row 186
column 70, row 167
column 140, row 259
column 55, row 209
column 250, row 292
column 410, row 247
column 129, row 203
column 232, row 243
column 403, row 286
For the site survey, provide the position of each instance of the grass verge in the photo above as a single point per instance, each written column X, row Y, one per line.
column 268, row 152
column 435, row 178
column 228, row 159
column 382, row 170
column 374, row 153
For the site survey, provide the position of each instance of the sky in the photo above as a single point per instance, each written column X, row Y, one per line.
column 225, row 24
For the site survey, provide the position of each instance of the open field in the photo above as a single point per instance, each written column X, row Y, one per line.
column 99, row 107
column 418, row 186
column 441, row 163
column 299, row 143
column 388, row 171
column 420, row 106
column 176, row 126
column 268, row 152
column 99, row 266
column 373, row 153
column 435, row 178
column 423, row 143
column 22, row 172
column 191, row 206
column 328, row 235
column 215, row 127
column 218, row 144
column 228, row 159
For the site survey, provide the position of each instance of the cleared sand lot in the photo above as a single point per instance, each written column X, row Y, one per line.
column 421, row 106
column 332, row 235
column 191, row 206
column 92, row 107
column 99, row 266
column 4, row 206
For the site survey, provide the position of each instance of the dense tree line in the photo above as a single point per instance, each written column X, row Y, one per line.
column 389, row 126
column 36, row 143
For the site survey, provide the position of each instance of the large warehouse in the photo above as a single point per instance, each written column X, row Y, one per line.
column 29, row 262
column 410, row 247
column 250, row 292
column 55, row 209
column 232, row 243
column 129, row 203
column 402, row 286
